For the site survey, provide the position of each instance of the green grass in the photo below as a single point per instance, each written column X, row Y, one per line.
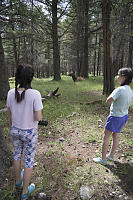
column 72, row 94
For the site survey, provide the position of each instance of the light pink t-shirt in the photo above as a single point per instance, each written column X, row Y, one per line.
column 23, row 112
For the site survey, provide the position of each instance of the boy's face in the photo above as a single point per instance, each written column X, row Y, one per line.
column 120, row 79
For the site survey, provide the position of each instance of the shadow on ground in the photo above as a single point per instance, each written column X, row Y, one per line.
column 124, row 171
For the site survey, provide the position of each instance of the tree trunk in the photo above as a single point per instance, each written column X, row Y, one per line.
column 80, row 37
column 15, row 50
column 85, row 63
column 95, row 55
column 108, row 85
column 56, row 57
column 99, row 58
column 4, row 84
column 118, row 47
column 130, row 51
column 14, row 40
column 32, row 39
column 48, row 65
column 6, row 156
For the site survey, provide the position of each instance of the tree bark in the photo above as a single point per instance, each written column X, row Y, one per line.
column 4, row 84
column 130, row 51
column 108, row 85
column 15, row 49
column 80, row 37
column 32, row 39
column 118, row 47
column 95, row 56
column 56, row 57
column 85, row 63
column 99, row 58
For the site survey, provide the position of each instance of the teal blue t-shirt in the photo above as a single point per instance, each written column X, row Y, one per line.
column 122, row 99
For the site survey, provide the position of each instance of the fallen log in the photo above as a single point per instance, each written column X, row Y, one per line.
column 91, row 102
column 51, row 94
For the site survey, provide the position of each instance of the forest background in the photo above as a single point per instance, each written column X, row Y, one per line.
column 60, row 36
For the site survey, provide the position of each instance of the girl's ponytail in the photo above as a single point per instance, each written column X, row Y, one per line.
column 23, row 77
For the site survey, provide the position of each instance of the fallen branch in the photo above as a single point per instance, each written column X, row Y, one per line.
column 91, row 102
column 51, row 94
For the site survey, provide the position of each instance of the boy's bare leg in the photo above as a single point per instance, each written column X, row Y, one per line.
column 115, row 143
column 105, row 143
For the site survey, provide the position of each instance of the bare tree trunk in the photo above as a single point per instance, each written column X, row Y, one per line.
column 117, row 48
column 15, row 50
column 56, row 57
column 108, row 68
column 25, row 58
column 77, row 52
column 99, row 58
column 130, row 51
column 95, row 54
column 14, row 41
column 85, row 64
column 4, row 84
column 14, row 46
column 48, row 65
column 32, row 40
column 80, row 37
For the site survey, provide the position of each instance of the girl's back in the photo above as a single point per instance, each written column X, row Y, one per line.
column 23, row 112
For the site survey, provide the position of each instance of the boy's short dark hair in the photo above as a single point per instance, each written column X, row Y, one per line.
column 128, row 74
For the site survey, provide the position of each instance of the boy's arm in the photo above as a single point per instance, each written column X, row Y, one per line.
column 9, row 116
column 109, row 100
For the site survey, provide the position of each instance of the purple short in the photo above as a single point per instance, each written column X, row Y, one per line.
column 24, row 141
column 115, row 124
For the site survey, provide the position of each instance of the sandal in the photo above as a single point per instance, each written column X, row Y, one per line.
column 30, row 190
column 109, row 158
column 18, row 185
column 100, row 161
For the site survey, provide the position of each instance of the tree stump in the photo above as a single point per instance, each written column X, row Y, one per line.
column 6, row 156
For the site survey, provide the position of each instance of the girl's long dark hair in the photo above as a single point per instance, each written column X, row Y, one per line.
column 128, row 74
column 23, row 77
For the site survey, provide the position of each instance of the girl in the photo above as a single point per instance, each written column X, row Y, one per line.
column 120, row 100
column 24, row 111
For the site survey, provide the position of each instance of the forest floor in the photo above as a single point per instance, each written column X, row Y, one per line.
column 64, row 157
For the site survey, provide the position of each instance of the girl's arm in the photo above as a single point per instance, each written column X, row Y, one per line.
column 38, row 115
column 9, row 116
column 109, row 100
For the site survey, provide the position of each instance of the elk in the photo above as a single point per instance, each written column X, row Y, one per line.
column 75, row 78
